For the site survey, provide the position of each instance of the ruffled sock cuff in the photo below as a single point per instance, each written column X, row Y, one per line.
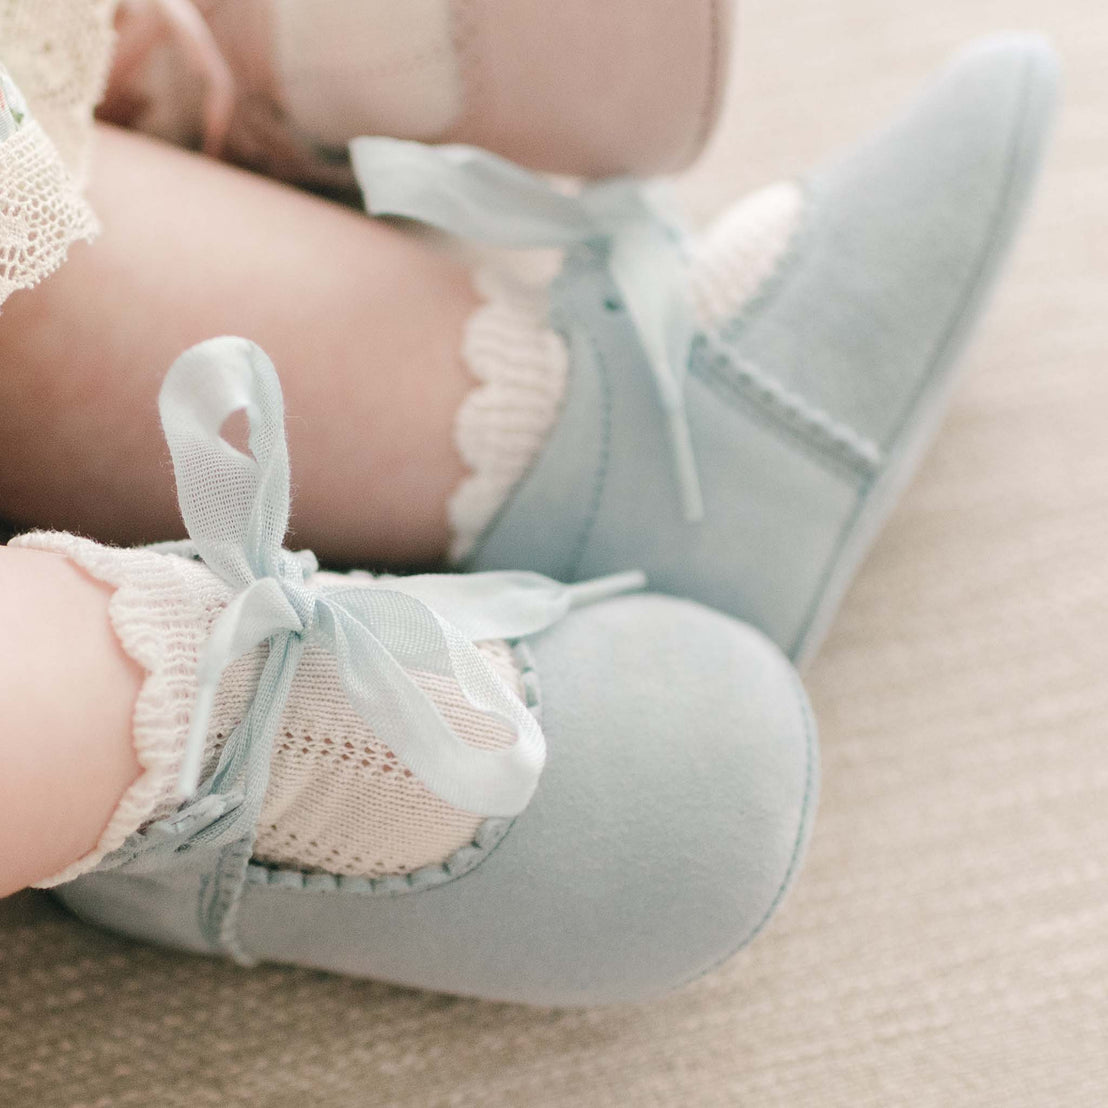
column 503, row 424
column 161, row 611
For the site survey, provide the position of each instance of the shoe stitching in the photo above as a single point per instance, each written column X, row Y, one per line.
column 462, row 861
column 465, row 859
column 829, row 439
column 216, row 905
column 233, row 863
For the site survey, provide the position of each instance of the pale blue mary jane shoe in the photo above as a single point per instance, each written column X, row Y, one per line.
column 655, row 837
column 750, row 464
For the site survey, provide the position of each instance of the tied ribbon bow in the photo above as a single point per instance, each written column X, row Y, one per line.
column 236, row 508
column 476, row 195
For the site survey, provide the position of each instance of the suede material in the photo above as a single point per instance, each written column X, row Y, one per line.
column 162, row 908
column 670, row 818
column 906, row 234
column 860, row 326
column 603, row 494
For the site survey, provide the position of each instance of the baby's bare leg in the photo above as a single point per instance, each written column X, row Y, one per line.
column 363, row 323
column 67, row 692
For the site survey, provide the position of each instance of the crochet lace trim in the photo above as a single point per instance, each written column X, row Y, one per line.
column 338, row 802
column 743, row 249
column 160, row 612
column 57, row 54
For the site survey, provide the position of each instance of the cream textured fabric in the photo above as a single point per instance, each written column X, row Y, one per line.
column 742, row 250
column 367, row 68
column 947, row 944
column 338, row 800
column 57, row 52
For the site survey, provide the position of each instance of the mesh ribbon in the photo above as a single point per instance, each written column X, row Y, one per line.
column 236, row 507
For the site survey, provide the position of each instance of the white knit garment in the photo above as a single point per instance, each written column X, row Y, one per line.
column 732, row 261
column 57, row 51
column 522, row 365
column 338, row 801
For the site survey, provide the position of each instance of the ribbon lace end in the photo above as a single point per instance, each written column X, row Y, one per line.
column 688, row 479
column 602, row 588
column 188, row 776
column 188, row 780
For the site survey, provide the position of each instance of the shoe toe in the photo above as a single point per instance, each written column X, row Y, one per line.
column 669, row 820
column 902, row 238
column 668, row 823
column 676, row 802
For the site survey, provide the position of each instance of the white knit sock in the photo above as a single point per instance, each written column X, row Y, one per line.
column 731, row 262
column 338, row 801
column 503, row 423
column 522, row 365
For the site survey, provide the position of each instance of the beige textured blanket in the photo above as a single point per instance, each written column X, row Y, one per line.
column 947, row 944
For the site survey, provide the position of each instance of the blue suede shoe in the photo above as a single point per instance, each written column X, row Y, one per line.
column 659, row 836
column 749, row 464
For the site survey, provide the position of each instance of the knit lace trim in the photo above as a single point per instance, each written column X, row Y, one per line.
column 162, row 636
column 57, row 55
column 742, row 251
column 502, row 425
column 42, row 212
